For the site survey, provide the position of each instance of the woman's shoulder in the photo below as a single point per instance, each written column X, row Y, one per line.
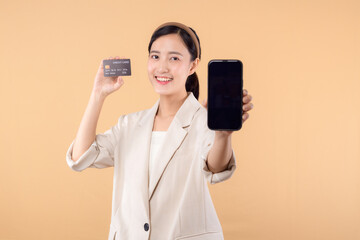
column 133, row 118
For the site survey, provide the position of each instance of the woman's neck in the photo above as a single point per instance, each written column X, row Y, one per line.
column 170, row 104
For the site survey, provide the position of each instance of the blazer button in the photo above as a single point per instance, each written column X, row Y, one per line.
column 146, row 226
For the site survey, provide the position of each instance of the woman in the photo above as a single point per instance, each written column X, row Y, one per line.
column 163, row 156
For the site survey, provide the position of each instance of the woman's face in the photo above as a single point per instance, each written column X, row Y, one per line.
column 169, row 65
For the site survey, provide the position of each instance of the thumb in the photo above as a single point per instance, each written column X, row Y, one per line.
column 119, row 82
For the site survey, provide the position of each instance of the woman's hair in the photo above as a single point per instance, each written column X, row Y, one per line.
column 192, row 82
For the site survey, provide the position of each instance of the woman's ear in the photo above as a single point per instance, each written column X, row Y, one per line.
column 193, row 66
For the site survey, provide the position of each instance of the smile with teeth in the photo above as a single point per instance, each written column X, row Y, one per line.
column 163, row 79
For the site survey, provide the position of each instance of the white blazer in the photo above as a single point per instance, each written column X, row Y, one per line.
column 178, row 204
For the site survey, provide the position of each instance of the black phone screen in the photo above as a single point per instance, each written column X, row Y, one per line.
column 225, row 84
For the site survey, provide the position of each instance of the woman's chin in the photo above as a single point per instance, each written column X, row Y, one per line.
column 163, row 91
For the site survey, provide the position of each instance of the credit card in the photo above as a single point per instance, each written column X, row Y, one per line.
column 117, row 67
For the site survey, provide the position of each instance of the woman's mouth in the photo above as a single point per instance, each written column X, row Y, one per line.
column 163, row 80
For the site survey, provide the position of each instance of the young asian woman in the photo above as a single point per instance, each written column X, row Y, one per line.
column 162, row 156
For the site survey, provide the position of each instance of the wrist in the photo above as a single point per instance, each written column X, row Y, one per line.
column 224, row 135
column 97, row 96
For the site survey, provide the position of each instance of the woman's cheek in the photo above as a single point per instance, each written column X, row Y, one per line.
column 150, row 66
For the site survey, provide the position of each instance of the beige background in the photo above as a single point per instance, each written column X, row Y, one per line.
column 298, row 174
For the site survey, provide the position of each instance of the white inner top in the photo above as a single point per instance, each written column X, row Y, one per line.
column 157, row 139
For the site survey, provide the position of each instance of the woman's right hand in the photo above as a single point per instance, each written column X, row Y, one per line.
column 103, row 86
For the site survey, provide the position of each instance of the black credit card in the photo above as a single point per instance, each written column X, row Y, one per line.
column 117, row 67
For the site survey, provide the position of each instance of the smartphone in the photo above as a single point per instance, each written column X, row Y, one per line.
column 225, row 93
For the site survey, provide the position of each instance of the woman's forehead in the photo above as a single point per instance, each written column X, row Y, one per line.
column 169, row 43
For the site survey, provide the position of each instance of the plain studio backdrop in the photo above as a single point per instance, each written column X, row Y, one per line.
column 298, row 158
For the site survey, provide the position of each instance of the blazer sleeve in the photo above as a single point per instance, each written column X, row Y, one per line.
column 100, row 154
column 211, row 177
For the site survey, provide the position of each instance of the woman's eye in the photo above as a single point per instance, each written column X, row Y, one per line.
column 175, row 58
column 154, row 56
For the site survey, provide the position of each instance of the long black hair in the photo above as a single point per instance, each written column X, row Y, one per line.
column 192, row 82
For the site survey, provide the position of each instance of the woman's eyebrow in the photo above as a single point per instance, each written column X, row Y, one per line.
column 171, row 52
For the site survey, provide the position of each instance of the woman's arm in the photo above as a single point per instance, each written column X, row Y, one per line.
column 87, row 130
column 103, row 86
column 220, row 154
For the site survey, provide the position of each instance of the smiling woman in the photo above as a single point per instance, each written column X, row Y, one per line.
column 174, row 53
column 163, row 157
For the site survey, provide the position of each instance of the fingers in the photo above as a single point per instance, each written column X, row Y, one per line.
column 245, row 92
column 116, row 57
column 248, row 107
column 245, row 116
column 247, row 99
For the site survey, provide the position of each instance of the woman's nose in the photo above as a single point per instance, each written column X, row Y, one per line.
column 163, row 66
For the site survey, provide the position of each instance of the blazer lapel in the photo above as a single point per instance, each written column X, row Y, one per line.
column 175, row 135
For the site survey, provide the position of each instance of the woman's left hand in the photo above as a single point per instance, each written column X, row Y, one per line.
column 247, row 106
